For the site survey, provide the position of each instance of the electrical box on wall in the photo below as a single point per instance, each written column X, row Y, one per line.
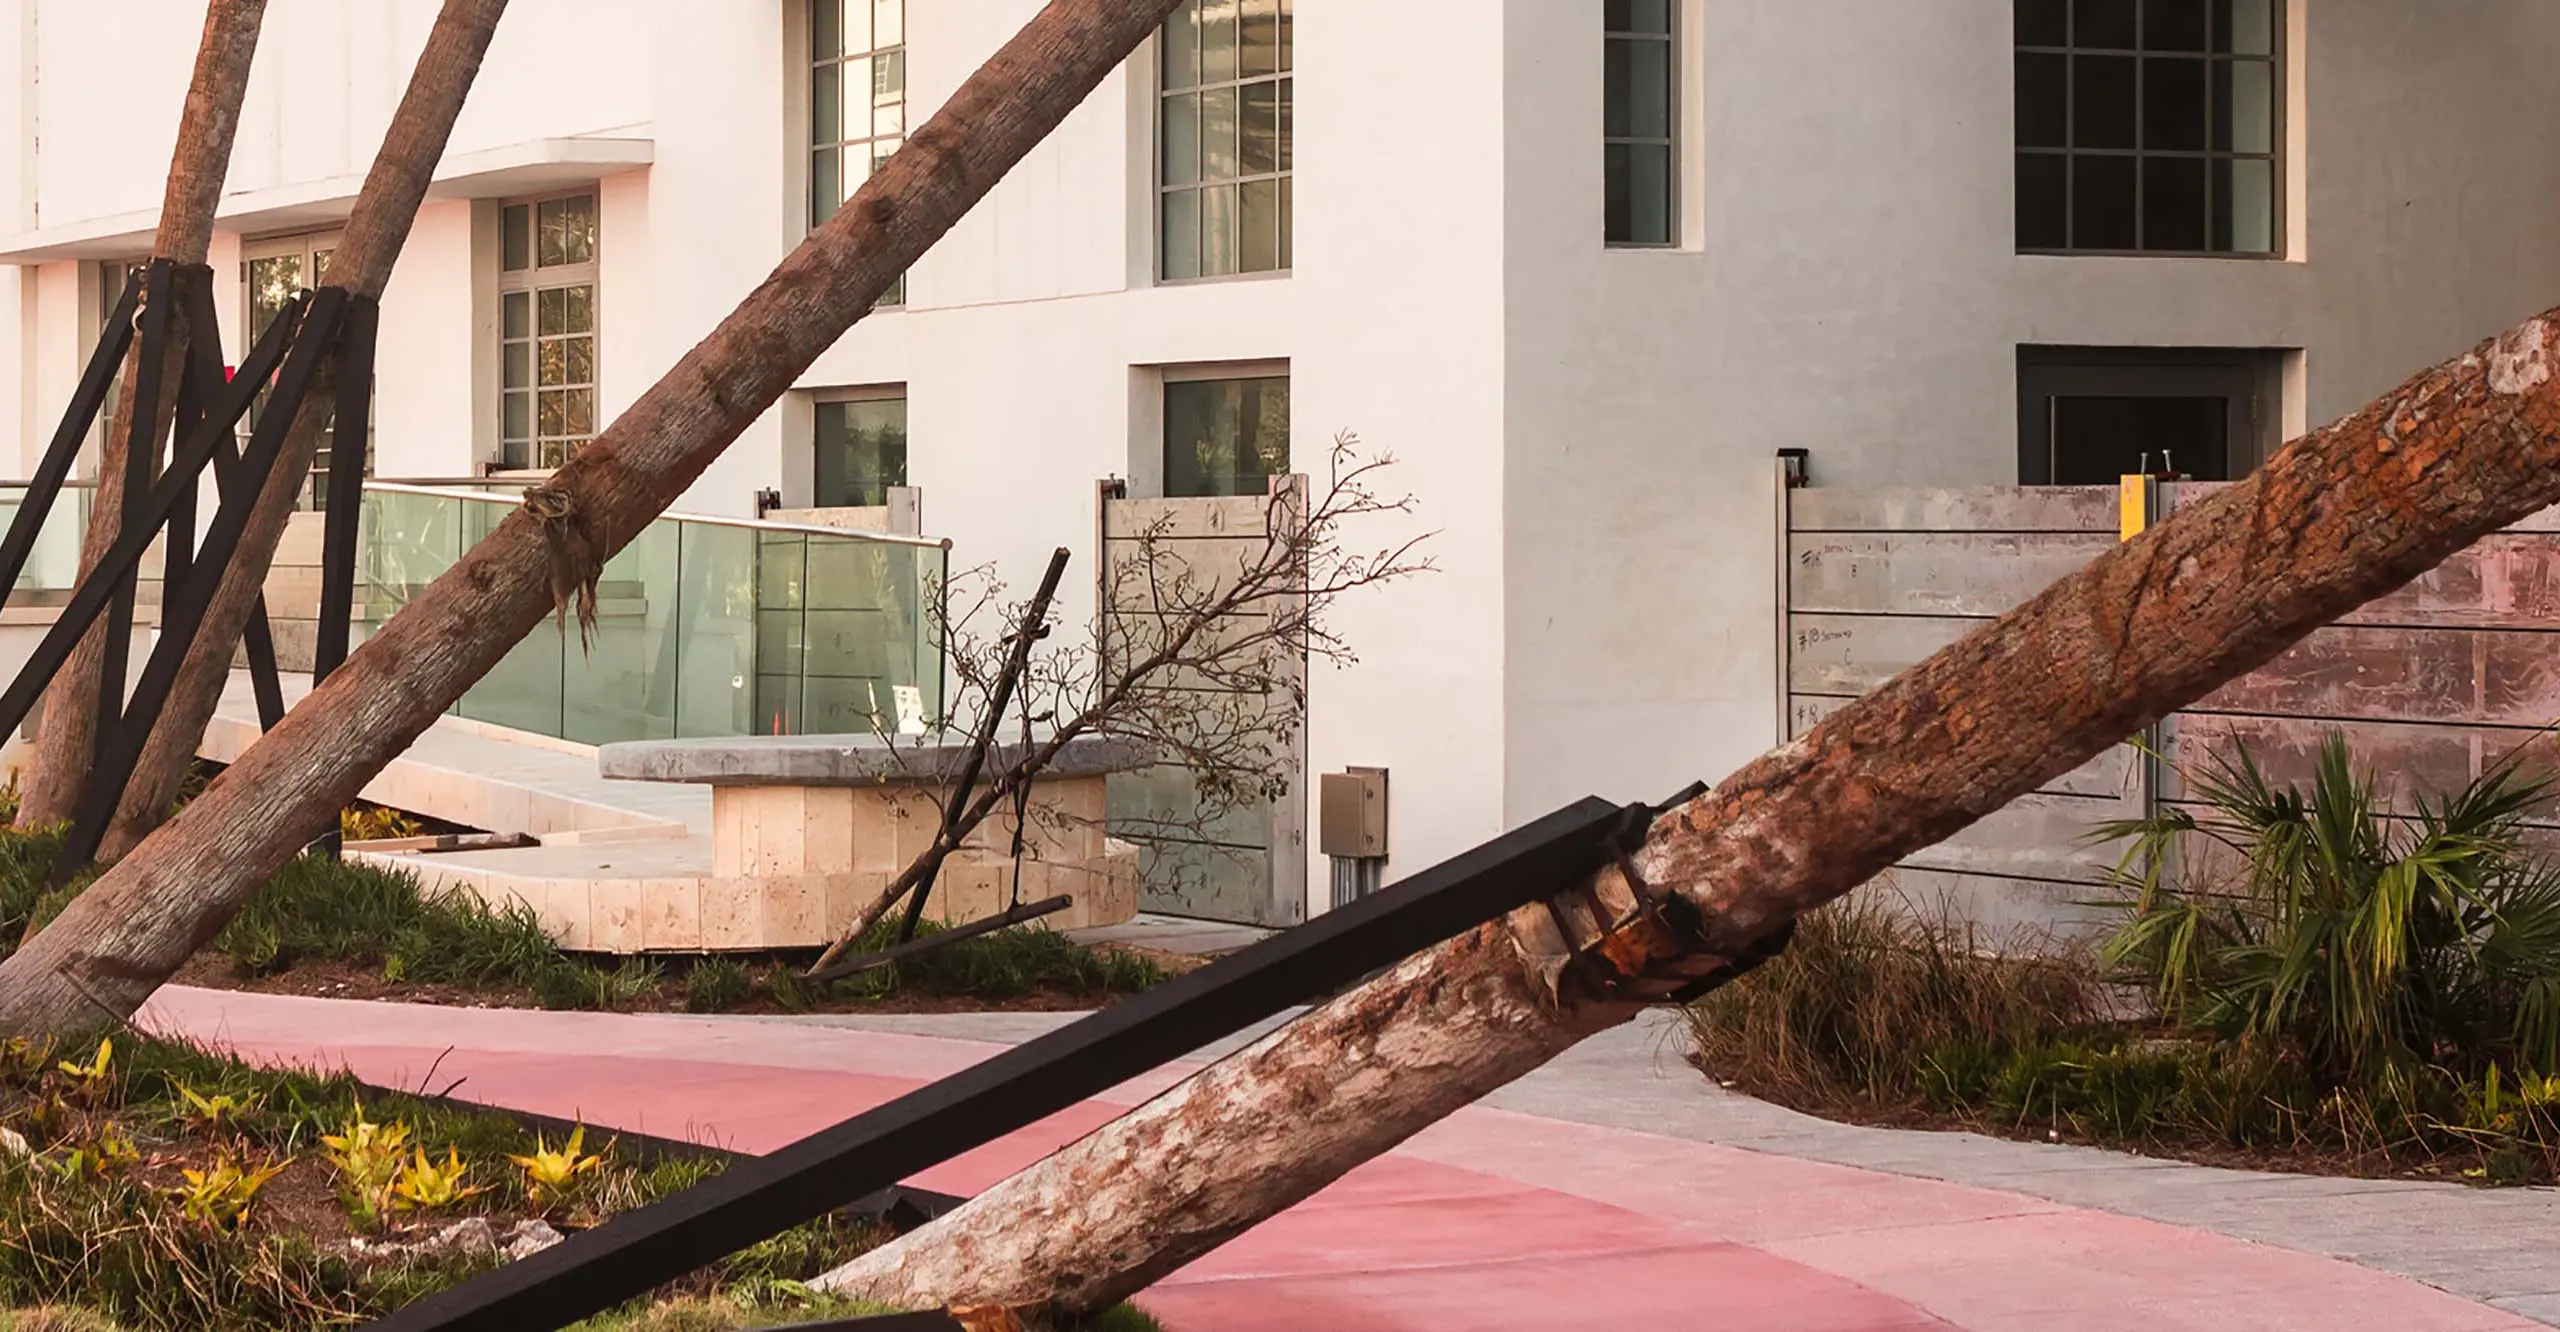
column 1352, row 814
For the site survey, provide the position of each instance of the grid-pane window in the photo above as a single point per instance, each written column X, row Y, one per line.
column 2149, row 126
column 1639, row 89
column 272, row 272
column 1225, row 436
column 1223, row 130
column 857, row 101
column 862, row 451
column 546, row 330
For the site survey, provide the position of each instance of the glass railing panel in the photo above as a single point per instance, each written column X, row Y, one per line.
column 715, row 633
column 623, row 686
column 524, row 690
column 782, row 573
column 864, row 604
column 53, row 563
column 705, row 627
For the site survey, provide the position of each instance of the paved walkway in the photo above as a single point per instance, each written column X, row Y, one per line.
column 1532, row 1210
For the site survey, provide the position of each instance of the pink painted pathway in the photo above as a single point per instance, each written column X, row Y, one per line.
column 1489, row 1222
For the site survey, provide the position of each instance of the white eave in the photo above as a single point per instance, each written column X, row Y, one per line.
column 535, row 166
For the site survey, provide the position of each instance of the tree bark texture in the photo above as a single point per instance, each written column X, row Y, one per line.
column 377, row 227
column 136, row 925
column 198, row 167
column 2340, row 517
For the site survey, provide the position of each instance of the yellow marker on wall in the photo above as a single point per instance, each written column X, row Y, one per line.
column 2134, row 508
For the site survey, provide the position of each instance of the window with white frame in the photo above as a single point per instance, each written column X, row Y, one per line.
column 857, row 101
column 546, row 329
column 1640, row 114
column 272, row 272
column 1223, row 128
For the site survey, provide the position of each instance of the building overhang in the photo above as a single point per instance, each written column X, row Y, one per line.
column 534, row 166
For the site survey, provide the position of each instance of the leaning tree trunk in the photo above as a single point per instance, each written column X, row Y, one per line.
column 135, row 926
column 377, row 227
column 2341, row 517
column 197, row 168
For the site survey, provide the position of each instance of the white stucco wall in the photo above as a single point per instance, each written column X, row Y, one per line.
column 1855, row 291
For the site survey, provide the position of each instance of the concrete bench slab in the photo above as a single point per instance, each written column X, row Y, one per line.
column 848, row 760
column 806, row 830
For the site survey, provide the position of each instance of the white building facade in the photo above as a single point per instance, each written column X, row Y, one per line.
column 1581, row 266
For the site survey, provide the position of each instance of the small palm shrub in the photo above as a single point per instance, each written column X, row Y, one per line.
column 2350, row 939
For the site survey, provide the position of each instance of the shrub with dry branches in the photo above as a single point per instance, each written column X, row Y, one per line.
column 1202, row 662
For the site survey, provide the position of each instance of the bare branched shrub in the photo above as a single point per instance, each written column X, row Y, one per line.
column 1202, row 660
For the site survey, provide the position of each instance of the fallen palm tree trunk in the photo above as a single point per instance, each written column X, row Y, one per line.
column 2344, row 515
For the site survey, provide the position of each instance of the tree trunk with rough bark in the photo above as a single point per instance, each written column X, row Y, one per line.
column 2340, row 517
column 377, row 227
column 198, row 167
column 136, row 925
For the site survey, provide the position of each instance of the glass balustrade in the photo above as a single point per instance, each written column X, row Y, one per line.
column 704, row 627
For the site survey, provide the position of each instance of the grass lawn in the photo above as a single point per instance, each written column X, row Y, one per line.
column 349, row 930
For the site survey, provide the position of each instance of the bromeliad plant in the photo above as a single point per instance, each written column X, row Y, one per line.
column 552, row 1178
column 426, row 1185
column 223, row 1194
column 367, row 1156
column 92, row 1080
column 2358, row 941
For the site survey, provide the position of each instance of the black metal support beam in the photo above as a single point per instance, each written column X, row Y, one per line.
column 142, row 449
column 346, row 492
column 45, row 486
column 631, row 1254
column 185, row 606
column 205, row 359
column 90, row 598
column 345, row 506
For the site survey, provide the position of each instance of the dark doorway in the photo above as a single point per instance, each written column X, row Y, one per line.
column 2089, row 416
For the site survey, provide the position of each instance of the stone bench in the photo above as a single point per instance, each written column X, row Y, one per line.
column 808, row 829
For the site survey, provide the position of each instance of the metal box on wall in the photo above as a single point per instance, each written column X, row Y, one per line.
column 1351, row 814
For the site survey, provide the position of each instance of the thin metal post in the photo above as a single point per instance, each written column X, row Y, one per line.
column 183, row 610
column 63, row 453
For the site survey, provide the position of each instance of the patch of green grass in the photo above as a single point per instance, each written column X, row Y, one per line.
column 716, row 985
column 1007, row 964
column 321, row 910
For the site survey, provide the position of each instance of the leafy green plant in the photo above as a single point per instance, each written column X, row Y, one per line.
column 91, row 1081
column 555, row 1177
column 367, row 1156
column 109, row 1153
column 220, row 1112
column 1870, row 988
column 376, row 823
column 24, row 1059
column 223, row 1193
column 2356, row 939
column 428, row 1185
